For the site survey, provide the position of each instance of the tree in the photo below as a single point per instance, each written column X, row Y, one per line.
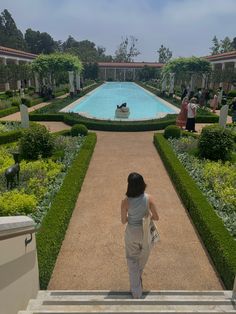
column 90, row 71
column 10, row 35
column 164, row 54
column 127, row 50
column 39, row 42
column 226, row 45
column 234, row 43
column 215, row 49
column 53, row 65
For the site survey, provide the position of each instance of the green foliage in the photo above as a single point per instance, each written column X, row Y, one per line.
column 10, row 35
column 15, row 203
column 79, row 129
column 39, row 42
column 172, row 131
column 192, row 64
column 36, row 141
column 52, row 232
column 220, row 245
column 215, row 143
column 232, row 93
column 55, row 63
column 221, row 178
column 4, row 104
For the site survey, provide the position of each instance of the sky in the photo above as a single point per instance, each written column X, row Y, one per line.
column 186, row 27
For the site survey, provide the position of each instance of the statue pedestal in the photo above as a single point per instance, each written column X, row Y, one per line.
column 122, row 113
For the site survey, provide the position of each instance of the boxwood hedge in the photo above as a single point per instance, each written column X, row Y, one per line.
column 54, row 225
column 9, row 137
column 219, row 243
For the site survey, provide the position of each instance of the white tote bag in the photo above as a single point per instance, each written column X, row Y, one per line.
column 150, row 233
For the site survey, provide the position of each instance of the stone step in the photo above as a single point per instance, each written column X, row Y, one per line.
column 113, row 302
column 126, row 294
column 138, row 311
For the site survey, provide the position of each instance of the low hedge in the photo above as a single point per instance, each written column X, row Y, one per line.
column 104, row 125
column 7, row 111
column 219, row 243
column 54, row 225
column 9, row 137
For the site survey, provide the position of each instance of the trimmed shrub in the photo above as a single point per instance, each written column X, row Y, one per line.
column 36, row 141
column 219, row 243
column 15, row 203
column 172, row 131
column 79, row 129
column 16, row 101
column 54, row 226
column 232, row 93
column 26, row 101
column 7, row 111
column 9, row 137
column 215, row 143
column 9, row 93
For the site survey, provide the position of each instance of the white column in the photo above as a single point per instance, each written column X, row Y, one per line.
column 29, row 82
column 133, row 74
column 36, row 78
column 172, row 83
column 71, row 81
column 124, row 73
column 115, row 74
column 44, row 81
column 18, row 83
column 204, row 80
column 77, row 80
column 7, row 85
column 163, row 84
column 222, row 68
column 232, row 86
column 105, row 74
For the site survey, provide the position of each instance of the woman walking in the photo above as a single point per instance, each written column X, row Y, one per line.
column 134, row 207
column 182, row 116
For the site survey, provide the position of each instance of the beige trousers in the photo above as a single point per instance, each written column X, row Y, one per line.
column 137, row 256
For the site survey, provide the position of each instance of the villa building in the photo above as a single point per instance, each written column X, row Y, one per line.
column 120, row 71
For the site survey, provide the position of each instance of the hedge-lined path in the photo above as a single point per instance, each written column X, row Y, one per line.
column 92, row 255
column 16, row 116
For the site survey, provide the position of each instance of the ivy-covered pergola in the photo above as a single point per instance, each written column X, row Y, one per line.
column 185, row 70
column 48, row 68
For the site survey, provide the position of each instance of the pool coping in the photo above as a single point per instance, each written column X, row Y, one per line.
column 88, row 116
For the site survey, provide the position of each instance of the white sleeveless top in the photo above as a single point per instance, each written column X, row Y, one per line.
column 137, row 209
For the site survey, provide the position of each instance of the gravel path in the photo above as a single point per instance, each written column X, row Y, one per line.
column 92, row 255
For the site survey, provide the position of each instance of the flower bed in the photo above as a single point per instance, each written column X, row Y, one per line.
column 219, row 243
column 216, row 180
column 39, row 180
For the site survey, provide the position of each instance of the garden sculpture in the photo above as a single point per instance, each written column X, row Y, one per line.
column 13, row 172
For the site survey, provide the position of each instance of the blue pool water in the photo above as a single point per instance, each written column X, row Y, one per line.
column 101, row 103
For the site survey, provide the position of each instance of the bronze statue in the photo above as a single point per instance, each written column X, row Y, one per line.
column 13, row 172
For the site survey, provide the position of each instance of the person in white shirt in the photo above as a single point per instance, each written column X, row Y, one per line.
column 192, row 110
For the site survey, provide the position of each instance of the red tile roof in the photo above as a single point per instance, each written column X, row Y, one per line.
column 129, row 64
column 16, row 53
column 222, row 56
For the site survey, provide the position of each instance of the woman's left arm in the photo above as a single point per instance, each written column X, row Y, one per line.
column 124, row 211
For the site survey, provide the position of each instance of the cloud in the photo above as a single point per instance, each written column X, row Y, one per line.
column 185, row 26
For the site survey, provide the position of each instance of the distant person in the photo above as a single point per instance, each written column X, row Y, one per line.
column 182, row 116
column 191, row 115
column 134, row 207
column 184, row 93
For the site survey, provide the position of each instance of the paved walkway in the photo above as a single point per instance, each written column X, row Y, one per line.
column 92, row 255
